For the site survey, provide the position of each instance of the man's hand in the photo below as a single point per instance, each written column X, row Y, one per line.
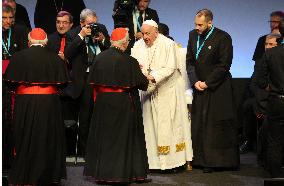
column 86, row 31
column 151, row 78
column 61, row 55
column 203, row 85
column 197, row 86
column 138, row 35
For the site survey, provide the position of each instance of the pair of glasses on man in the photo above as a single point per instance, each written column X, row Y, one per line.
column 273, row 21
column 62, row 22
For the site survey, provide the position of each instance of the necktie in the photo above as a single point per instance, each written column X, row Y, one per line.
column 62, row 44
column 140, row 21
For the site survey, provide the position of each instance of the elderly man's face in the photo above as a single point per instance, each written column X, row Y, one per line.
column 7, row 20
column 63, row 24
column 150, row 34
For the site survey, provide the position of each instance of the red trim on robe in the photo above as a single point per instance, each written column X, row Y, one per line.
column 34, row 89
column 98, row 88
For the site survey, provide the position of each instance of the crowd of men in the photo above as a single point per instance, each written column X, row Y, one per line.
column 124, row 94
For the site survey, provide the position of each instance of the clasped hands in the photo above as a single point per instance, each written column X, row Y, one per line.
column 200, row 85
column 149, row 76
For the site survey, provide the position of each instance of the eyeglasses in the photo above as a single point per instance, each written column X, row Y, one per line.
column 62, row 22
column 273, row 21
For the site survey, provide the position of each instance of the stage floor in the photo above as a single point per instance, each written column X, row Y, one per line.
column 250, row 174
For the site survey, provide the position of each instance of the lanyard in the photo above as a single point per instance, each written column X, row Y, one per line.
column 201, row 46
column 8, row 43
column 139, row 26
column 93, row 48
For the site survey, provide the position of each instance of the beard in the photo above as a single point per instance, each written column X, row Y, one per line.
column 203, row 31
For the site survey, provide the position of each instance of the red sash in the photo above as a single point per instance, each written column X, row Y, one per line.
column 5, row 63
column 35, row 89
column 98, row 89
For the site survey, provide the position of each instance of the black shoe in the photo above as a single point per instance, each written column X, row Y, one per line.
column 207, row 170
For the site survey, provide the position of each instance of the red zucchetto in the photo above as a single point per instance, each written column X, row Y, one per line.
column 118, row 34
column 38, row 34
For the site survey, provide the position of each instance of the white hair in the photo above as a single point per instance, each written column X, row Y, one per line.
column 270, row 36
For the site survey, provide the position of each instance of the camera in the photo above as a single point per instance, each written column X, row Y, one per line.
column 95, row 29
column 123, row 12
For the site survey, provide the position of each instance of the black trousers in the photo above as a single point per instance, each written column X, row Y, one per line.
column 249, row 121
column 275, row 136
column 70, row 117
column 85, row 104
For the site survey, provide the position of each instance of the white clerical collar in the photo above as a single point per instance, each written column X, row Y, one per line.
column 37, row 45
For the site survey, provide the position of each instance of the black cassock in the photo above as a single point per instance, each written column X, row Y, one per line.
column 214, row 134
column 38, row 125
column 18, row 41
column 116, row 148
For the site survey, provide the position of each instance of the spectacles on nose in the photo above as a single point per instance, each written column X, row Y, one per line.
column 273, row 21
column 62, row 22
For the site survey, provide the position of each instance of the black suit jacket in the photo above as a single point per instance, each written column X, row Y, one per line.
column 260, row 48
column 76, row 53
column 53, row 43
column 271, row 70
column 19, row 38
column 149, row 14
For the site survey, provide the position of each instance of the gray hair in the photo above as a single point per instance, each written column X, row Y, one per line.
column 270, row 36
column 86, row 13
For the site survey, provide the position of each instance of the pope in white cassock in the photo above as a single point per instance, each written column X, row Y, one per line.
column 165, row 116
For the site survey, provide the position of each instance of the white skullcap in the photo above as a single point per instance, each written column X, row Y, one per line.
column 151, row 23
